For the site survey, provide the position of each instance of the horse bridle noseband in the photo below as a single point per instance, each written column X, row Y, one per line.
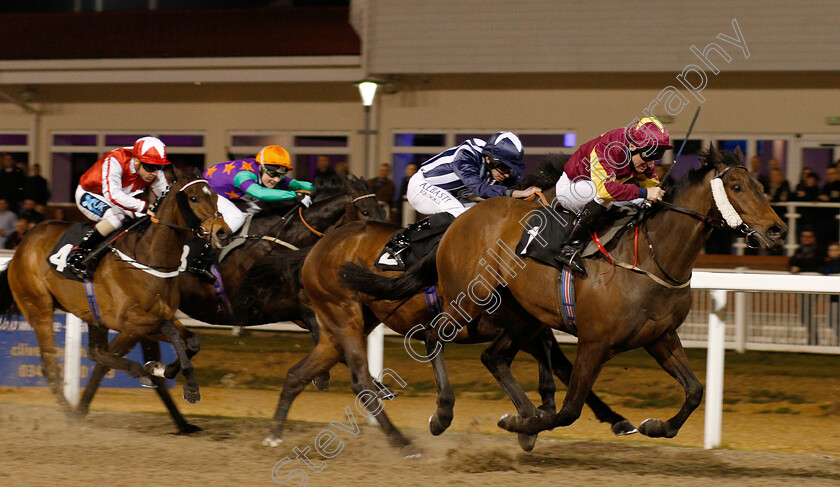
column 194, row 225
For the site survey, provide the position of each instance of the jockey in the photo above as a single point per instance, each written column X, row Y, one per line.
column 107, row 191
column 448, row 183
column 241, row 183
column 616, row 167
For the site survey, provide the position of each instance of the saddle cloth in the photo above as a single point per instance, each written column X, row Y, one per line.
column 415, row 252
column 546, row 230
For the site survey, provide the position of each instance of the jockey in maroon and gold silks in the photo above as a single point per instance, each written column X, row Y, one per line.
column 605, row 161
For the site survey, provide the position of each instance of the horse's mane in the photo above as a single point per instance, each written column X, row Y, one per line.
column 548, row 173
column 325, row 188
column 708, row 159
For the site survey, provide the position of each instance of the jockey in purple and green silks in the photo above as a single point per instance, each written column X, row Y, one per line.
column 241, row 183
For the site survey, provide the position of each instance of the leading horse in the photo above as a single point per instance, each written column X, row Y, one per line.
column 134, row 285
column 617, row 310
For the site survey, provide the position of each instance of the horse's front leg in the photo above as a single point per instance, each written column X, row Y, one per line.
column 118, row 346
column 497, row 358
column 174, row 334
column 151, row 353
column 101, row 352
column 669, row 352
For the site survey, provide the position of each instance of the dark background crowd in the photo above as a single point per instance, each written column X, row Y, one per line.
column 23, row 198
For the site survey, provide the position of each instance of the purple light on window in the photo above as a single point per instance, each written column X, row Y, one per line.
column 121, row 140
column 74, row 139
column 183, row 140
column 13, row 139
column 569, row 140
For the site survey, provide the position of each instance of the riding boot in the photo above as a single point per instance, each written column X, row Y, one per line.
column 200, row 265
column 428, row 227
column 77, row 255
column 570, row 252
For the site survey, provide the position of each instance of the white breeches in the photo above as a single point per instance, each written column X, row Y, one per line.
column 574, row 195
column 429, row 199
column 97, row 208
column 233, row 216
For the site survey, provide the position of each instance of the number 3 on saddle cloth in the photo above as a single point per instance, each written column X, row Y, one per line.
column 545, row 232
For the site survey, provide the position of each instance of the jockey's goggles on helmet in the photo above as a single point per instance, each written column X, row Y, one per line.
column 150, row 167
column 499, row 166
column 651, row 153
column 275, row 171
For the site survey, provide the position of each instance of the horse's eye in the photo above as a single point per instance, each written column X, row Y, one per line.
column 366, row 213
column 737, row 188
column 193, row 199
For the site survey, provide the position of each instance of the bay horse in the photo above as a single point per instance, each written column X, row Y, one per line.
column 617, row 310
column 134, row 286
column 278, row 230
column 345, row 317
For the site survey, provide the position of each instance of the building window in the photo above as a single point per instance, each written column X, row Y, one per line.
column 307, row 150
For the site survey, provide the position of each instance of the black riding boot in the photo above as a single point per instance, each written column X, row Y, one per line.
column 201, row 264
column 80, row 253
column 401, row 241
column 579, row 236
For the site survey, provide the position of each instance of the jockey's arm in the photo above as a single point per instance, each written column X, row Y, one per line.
column 112, row 188
column 466, row 166
column 296, row 185
column 247, row 182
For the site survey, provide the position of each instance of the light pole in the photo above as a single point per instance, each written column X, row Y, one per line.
column 367, row 89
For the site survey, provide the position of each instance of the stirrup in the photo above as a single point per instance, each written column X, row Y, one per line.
column 573, row 261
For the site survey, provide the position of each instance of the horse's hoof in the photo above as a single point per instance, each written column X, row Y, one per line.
column 154, row 368
column 147, row 382
column 623, row 428
column 189, row 429
column 272, row 441
column 526, row 442
column 322, row 383
column 411, row 451
column 655, row 428
column 192, row 397
column 436, row 426
column 508, row 422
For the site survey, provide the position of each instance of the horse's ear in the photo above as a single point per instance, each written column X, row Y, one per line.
column 738, row 154
column 714, row 155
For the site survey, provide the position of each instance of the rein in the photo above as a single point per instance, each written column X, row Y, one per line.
column 730, row 219
column 353, row 202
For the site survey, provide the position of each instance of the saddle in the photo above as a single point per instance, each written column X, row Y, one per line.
column 70, row 239
column 413, row 243
column 547, row 230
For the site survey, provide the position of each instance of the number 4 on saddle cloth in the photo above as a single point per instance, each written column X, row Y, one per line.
column 411, row 244
column 71, row 238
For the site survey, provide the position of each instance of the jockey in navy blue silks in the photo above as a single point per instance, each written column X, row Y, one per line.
column 451, row 182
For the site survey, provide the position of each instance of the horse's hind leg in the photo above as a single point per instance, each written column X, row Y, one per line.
column 442, row 417
column 151, row 353
column 174, row 333
column 322, row 358
column 40, row 317
column 117, row 346
column 668, row 351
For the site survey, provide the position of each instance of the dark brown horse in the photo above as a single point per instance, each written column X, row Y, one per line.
column 134, row 285
column 617, row 310
column 346, row 317
column 338, row 200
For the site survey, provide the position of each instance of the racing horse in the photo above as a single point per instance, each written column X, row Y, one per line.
column 345, row 317
column 617, row 309
column 279, row 229
column 134, row 286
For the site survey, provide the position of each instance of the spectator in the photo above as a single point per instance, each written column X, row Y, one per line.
column 774, row 164
column 807, row 257
column 830, row 193
column 323, row 169
column 832, row 266
column 12, row 182
column 661, row 170
column 779, row 188
column 36, row 186
column 382, row 185
column 809, row 188
column 7, row 222
column 757, row 174
column 410, row 169
column 832, row 260
column 21, row 227
column 28, row 210
column 342, row 169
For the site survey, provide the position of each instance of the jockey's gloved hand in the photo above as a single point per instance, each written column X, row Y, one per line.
column 304, row 200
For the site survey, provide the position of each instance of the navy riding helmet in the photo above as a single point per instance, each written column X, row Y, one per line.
column 505, row 147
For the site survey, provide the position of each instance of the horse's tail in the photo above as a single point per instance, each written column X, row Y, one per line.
column 7, row 301
column 420, row 275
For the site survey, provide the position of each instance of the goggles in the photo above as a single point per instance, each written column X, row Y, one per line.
column 499, row 166
column 651, row 153
column 153, row 168
column 275, row 171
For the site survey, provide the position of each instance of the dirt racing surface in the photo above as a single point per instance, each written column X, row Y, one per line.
column 781, row 425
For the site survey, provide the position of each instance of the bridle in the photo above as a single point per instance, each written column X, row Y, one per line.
column 193, row 223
